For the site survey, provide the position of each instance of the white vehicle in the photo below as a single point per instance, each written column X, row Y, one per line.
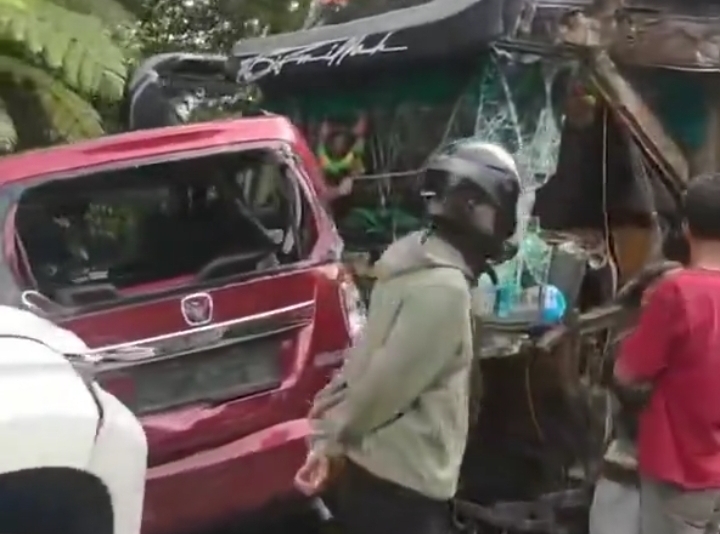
column 72, row 457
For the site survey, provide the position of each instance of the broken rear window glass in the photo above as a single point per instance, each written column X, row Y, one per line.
column 140, row 228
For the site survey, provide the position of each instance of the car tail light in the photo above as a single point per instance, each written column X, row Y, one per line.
column 354, row 309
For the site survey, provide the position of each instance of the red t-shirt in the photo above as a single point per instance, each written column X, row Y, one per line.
column 676, row 347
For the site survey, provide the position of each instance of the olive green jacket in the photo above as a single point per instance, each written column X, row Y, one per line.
column 399, row 406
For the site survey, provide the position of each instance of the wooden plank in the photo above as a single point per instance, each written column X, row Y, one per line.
column 640, row 120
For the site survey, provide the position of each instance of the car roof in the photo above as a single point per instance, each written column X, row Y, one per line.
column 144, row 144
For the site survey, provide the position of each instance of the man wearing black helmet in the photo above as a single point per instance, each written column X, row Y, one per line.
column 396, row 417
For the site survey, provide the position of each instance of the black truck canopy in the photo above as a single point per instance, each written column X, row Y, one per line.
column 433, row 31
column 166, row 83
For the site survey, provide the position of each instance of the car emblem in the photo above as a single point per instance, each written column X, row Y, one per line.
column 197, row 309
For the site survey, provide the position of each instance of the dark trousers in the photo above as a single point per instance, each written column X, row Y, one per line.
column 367, row 504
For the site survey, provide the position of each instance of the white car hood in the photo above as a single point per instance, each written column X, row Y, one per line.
column 21, row 323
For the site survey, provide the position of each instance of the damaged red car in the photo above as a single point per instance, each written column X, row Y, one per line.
column 200, row 265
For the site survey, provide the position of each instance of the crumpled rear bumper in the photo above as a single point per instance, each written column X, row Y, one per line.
column 216, row 486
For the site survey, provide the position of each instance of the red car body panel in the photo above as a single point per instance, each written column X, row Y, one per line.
column 210, row 462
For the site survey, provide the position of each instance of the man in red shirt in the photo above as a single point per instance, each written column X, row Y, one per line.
column 676, row 348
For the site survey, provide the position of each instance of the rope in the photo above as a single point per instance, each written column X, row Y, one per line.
column 531, row 403
column 607, row 230
column 443, row 140
column 384, row 175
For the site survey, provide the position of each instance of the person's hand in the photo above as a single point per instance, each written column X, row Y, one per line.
column 636, row 292
column 664, row 270
column 314, row 474
column 645, row 298
column 328, row 399
column 358, row 169
column 322, row 405
column 345, row 187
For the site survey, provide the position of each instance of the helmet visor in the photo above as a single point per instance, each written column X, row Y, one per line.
column 445, row 173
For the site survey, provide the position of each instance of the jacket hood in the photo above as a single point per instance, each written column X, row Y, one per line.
column 419, row 251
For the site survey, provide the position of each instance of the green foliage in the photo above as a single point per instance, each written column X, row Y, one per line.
column 63, row 63
column 355, row 9
column 67, row 55
column 110, row 12
column 214, row 25
column 382, row 224
column 71, row 117
column 8, row 134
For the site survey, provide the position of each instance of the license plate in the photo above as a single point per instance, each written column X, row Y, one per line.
column 214, row 375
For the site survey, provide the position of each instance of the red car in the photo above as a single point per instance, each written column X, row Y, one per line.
column 201, row 265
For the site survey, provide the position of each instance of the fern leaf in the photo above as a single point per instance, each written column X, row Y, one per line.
column 8, row 134
column 109, row 12
column 22, row 5
column 76, row 47
column 71, row 117
column 102, row 65
column 33, row 39
column 72, row 63
column 17, row 28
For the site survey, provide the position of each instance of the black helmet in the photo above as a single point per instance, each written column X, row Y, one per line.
column 474, row 189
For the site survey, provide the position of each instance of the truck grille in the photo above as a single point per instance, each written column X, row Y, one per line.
column 212, row 375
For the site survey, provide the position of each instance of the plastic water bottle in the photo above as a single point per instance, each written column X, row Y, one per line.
column 534, row 253
column 506, row 297
column 554, row 304
column 483, row 297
